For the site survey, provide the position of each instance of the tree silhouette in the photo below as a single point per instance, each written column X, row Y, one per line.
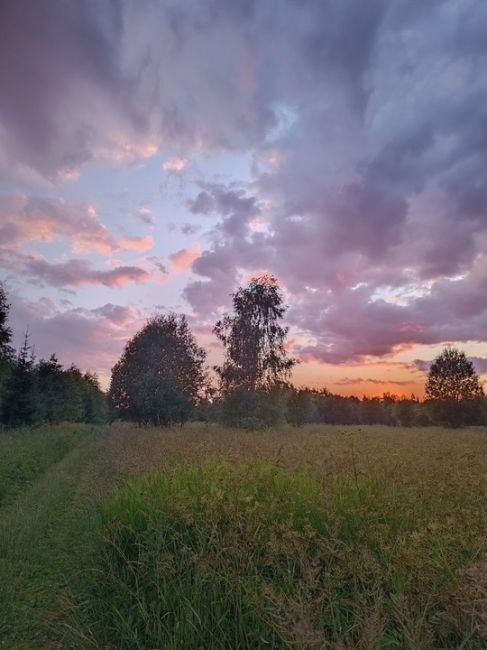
column 160, row 375
column 5, row 331
column 452, row 377
column 6, row 352
column 254, row 339
column 451, row 386
column 20, row 405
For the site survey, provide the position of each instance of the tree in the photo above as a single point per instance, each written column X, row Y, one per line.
column 93, row 400
column 301, row 407
column 52, row 396
column 5, row 331
column 253, row 338
column 21, row 405
column 161, row 374
column 6, row 352
column 452, row 384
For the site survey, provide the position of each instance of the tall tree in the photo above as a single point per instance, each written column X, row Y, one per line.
column 6, row 352
column 254, row 339
column 5, row 331
column 452, row 386
column 161, row 374
column 94, row 400
column 21, row 405
column 452, row 377
column 52, row 397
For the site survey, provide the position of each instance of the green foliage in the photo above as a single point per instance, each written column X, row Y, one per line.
column 20, row 405
column 33, row 393
column 254, row 409
column 94, row 403
column 301, row 407
column 52, row 391
column 161, row 375
column 256, row 358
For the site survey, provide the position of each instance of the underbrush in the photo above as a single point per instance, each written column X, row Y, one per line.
column 226, row 555
column 25, row 454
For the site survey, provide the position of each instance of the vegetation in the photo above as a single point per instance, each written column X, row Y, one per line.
column 253, row 338
column 161, row 379
column 27, row 454
column 161, row 374
column 312, row 537
column 454, row 388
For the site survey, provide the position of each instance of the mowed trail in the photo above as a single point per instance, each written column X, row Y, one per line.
column 42, row 541
column 45, row 533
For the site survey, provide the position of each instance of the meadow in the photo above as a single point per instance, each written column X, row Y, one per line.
column 207, row 537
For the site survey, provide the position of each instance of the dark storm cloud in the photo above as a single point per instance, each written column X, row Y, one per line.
column 365, row 121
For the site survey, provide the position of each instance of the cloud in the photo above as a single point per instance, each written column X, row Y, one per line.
column 145, row 215
column 174, row 165
column 28, row 218
column 91, row 338
column 480, row 364
column 183, row 259
column 364, row 123
column 75, row 273
column 351, row 381
column 136, row 243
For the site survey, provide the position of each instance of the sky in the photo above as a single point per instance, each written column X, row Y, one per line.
column 154, row 155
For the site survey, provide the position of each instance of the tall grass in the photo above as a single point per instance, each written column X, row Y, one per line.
column 239, row 555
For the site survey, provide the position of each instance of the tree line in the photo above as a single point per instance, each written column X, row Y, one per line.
column 162, row 378
column 33, row 392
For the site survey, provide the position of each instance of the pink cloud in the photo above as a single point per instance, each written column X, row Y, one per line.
column 174, row 165
column 24, row 219
column 137, row 243
column 183, row 259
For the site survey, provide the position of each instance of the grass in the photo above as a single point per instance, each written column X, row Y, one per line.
column 25, row 454
column 324, row 537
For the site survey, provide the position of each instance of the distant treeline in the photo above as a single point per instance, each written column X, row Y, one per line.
column 260, row 409
column 33, row 392
column 161, row 378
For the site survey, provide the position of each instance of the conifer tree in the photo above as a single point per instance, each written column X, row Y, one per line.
column 21, row 405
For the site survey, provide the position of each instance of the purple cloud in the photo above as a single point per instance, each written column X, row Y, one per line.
column 480, row 364
column 91, row 338
column 76, row 273
column 364, row 123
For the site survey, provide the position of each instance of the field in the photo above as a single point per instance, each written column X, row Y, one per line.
column 204, row 537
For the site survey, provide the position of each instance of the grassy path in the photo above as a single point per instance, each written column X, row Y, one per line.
column 43, row 535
